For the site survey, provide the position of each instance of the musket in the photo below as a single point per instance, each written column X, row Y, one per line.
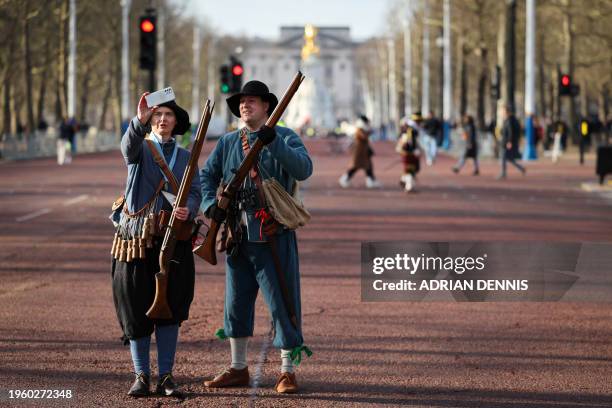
column 160, row 308
column 207, row 250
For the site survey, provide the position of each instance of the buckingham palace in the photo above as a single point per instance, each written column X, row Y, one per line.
column 275, row 62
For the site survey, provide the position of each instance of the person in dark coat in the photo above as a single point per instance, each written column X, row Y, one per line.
column 361, row 156
column 511, row 133
column 471, row 145
column 408, row 147
column 141, row 219
column 66, row 135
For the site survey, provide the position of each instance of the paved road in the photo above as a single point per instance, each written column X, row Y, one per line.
column 58, row 329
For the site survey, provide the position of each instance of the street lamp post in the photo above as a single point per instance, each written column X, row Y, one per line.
column 447, row 104
column 530, row 152
column 125, row 59
column 425, row 69
column 72, row 61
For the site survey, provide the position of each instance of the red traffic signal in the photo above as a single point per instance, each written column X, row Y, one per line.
column 147, row 26
column 148, row 41
column 565, row 80
column 565, row 85
column 237, row 70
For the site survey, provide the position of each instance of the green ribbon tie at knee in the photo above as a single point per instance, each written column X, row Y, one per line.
column 296, row 354
column 220, row 334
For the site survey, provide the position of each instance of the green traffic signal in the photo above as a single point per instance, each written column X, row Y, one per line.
column 224, row 88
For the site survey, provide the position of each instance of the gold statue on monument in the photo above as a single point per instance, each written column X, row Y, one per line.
column 309, row 48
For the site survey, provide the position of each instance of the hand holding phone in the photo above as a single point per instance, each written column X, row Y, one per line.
column 158, row 97
column 144, row 112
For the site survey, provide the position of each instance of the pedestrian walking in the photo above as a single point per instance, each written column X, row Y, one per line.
column 471, row 145
column 67, row 131
column 511, row 133
column 432, row 130
column 560, row 132
column 361, row 158
column 408, row 148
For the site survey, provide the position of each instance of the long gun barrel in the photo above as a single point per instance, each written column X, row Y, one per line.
column 160, row 308
column 207, row 249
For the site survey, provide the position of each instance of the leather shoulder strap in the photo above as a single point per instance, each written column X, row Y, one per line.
column 161, row 162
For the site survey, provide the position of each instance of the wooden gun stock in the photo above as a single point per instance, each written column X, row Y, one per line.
column 207, row 250
column 160, row 309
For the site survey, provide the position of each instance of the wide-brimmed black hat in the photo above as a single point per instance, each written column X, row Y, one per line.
column 182, row 117
column 252, row 88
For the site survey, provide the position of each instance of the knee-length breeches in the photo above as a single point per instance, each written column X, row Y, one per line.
column 251, row 269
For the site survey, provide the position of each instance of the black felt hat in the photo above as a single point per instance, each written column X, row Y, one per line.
column 252, row 88
column 182, row 117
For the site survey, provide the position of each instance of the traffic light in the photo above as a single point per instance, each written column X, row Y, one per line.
column 148, row 41
column 565, row 85
column 585, row 131
column 224, row 73
column 237, row 71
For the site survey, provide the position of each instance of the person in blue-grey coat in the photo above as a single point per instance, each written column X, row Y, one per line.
column 250, row 258
column 133, row 277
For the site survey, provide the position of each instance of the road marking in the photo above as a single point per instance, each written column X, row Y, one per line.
column 33, row 215
column 76, row 199
column 263, row 355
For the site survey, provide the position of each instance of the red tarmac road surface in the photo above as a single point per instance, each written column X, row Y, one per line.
column 58, row 328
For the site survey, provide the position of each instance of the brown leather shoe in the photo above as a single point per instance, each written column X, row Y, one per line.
column 230, row 378
column 286, row 384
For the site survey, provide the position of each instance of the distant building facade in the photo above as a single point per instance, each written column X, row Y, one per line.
column 276, row 62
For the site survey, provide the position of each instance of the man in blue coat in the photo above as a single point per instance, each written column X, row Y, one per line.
column 251, row 264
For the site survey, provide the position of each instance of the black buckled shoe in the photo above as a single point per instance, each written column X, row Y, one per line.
column 140, row 388
column 167, row 387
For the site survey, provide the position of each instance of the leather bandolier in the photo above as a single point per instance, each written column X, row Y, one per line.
column 127, row 245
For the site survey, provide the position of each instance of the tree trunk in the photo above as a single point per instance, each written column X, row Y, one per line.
column 62, row 66
column 116, row 96
column 85, row 94
column 510, row 52
column 603, row 103
column 106, row 97
column 556, row 96
column 543, row 110
column 441, row 80
column 28, row 70
column 40, row 111
column 482, row 86
column 463, row 84
column 6, row 113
